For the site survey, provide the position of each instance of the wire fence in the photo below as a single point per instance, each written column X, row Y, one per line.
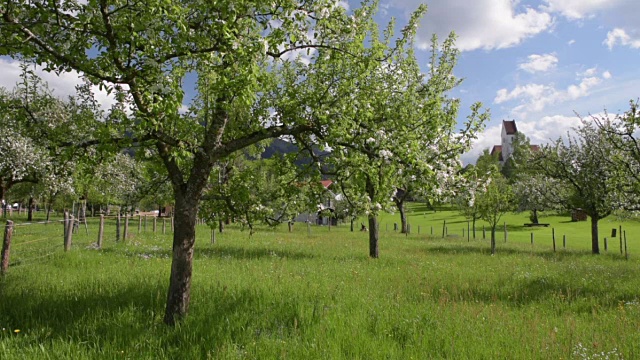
column 39, row 241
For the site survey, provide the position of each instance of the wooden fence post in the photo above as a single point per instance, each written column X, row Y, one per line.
column 505, row 232
column 6, row 247
column 606, row 247
column 213, row 236
column 126, row 227
column 155, row 220
column 444, row 228
column 139, row 224
column 484, row 233
column 118, row 226
column 101, row 231
column 172, row 224
column 468, row 231
column 531, row 240
column 67, row 240
column 65, row 223
column 145, row 224
column 164, row 225
column 621, row 243
column 626, row 254
column 564, row 241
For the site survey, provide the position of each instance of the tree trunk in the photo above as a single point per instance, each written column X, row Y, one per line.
column 493, row 240
column 473, row 223
column 403, row 216
column 3, row 202
column 184, row 236
column 535, row 216
column 352, row 220
column 220, row 225
column 30, row 211
column 595, row 246
column 373, row 236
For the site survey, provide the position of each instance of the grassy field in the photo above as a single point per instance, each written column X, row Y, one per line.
column 293, row 295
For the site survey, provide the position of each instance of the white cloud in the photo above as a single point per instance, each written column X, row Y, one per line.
column 578, row 9
column 571, row 42
column 480, row 24
column 537, row 63
column 536, row 97
column 62, row 85
column 619, row 15
column 582, row 89
column 619, row 36
column 486, row 139
column 529, row 90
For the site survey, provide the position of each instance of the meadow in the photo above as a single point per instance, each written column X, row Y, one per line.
column 318, row 295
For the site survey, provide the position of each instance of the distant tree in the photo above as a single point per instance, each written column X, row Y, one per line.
column 583, row 163
column 536, row 193
column 493, row 203
column 473, row 184
column 434, row 181
column 117, row 181
column 487, row 161
column 518, row 163
column 33, row 122
column 622, row 132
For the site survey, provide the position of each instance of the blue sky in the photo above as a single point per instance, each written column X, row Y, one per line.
column 537, row 62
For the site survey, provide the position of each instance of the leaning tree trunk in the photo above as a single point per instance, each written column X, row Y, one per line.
column 373, row 236
column 493, row 240
column 184, row 236
column 595, row 246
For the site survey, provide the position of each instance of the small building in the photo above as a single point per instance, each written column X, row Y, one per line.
column 320, row 215
column 578, row 215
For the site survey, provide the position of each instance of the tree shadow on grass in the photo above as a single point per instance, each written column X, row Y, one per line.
column 215, row 252
column 128, row 317
column 559, row 255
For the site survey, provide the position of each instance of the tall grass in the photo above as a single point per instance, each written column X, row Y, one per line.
column 292, row 295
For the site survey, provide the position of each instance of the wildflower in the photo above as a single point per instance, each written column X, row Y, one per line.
column 16, row 331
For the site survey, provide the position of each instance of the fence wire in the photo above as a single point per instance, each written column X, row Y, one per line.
column 39, row 241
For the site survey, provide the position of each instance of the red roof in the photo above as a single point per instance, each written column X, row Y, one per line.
column 326, row 183
column 535, row 148
column 510, row 126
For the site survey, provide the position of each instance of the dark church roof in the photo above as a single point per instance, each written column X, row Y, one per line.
column 510, row 126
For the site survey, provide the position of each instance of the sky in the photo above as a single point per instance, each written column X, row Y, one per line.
column 543, row 63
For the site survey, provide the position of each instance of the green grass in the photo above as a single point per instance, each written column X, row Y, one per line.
column 290, row 295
